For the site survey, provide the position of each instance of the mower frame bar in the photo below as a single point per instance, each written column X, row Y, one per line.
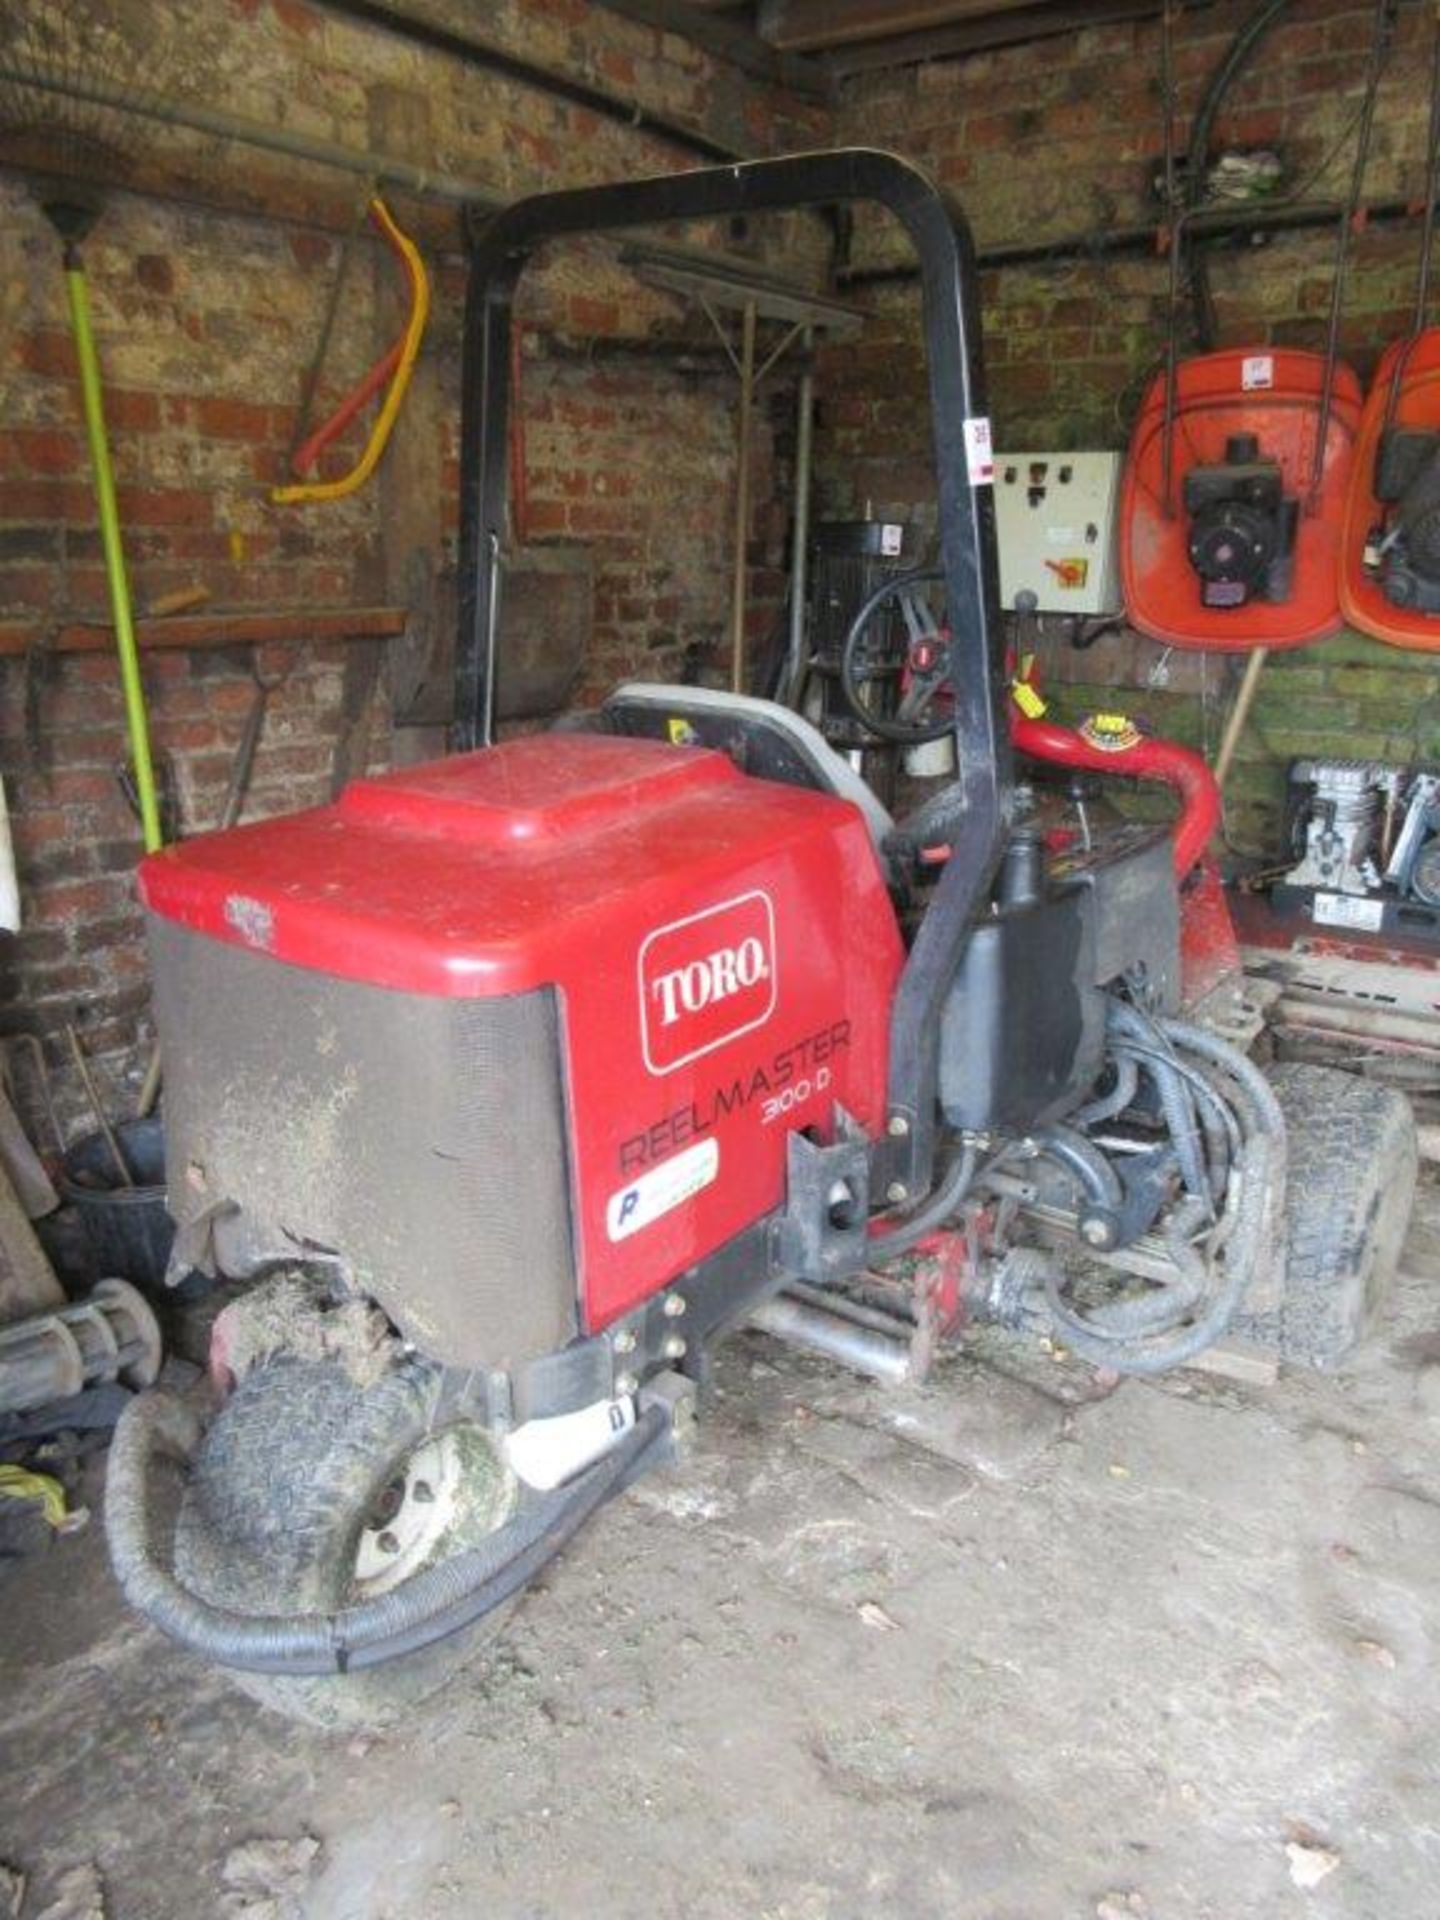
column 502, row 246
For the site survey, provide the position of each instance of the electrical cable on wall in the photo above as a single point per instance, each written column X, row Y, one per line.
column 397, row 364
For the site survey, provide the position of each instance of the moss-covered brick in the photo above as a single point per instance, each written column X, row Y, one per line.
column 1386, row 684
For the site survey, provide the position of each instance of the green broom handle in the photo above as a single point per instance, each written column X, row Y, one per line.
column 135, row 715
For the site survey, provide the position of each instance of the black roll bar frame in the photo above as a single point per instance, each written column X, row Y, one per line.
column 503, row 244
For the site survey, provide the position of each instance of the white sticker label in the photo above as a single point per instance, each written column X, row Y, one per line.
column 662, row 1189
column 892, row 539
column 1348, row 910
column 1257, row 371
column 979, row 452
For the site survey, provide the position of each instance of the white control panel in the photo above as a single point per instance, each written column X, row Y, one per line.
column 1056, row 516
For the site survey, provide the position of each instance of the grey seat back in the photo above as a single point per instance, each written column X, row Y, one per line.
column 762, row 738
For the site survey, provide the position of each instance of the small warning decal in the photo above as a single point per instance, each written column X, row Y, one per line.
column 1257, row 372
column 979, row 452
column 1348, row 910
column 658, row 1192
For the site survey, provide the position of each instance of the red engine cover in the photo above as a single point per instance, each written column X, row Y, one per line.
column 724, row 950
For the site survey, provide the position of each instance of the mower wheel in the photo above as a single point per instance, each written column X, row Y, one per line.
column 312, row 1492
column 1350, row 1185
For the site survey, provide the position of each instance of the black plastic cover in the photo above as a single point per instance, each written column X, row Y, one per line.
column 1023, row 1038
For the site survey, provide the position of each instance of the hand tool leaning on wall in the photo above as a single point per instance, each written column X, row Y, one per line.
column 244, row 766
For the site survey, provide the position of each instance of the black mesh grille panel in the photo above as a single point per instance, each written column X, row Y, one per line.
column 423, row 1139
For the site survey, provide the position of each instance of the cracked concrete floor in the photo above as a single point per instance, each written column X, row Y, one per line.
column 993, row 1650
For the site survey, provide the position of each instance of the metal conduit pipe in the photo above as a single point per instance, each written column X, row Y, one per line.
column 377, row 167
column 512, row 66
column 878, row 1354
column 1282, row 217
column 793, row 680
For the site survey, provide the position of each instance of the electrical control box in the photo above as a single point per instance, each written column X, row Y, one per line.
column 1057, row 521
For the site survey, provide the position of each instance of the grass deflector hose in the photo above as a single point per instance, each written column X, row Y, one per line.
column 136, row 719
column 432, row 1605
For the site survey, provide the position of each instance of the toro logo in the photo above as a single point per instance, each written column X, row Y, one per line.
column 706, row 979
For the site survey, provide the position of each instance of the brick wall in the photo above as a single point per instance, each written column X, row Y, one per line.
column 1054, row 142
column 210, row 272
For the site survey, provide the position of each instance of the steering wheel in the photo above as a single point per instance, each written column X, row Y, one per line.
column 895, row 668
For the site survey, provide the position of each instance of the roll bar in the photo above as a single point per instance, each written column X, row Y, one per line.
column 502, row 246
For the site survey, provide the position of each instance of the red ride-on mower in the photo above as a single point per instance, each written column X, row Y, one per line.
column 515, row 1080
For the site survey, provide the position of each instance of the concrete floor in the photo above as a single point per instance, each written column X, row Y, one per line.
column 995, row 1650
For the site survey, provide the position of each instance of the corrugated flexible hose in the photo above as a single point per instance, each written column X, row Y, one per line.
column 440, row 1601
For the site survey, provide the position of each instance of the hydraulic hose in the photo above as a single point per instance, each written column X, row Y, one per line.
column 1176, row 1102
column 888, row 1243
column 1236, row 1064
column 1104, row 1196
column 1166, row 1306
column 1195, row 1080
column 1149, row 1356
column 1127, row 1078
column 436, row 1603
column 1148, row 1334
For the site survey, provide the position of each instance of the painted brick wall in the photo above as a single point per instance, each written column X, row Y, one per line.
column 209, row 297
column 1056, row 141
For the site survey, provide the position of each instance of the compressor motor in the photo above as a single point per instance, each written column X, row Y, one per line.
column 1242, row 527
column 1371, row 832
column 1405, row 555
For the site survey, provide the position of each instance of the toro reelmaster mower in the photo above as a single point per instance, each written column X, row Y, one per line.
column 516, row 1079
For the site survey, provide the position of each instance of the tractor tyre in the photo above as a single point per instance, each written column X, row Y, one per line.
column 312, row 1492
column 1350, row 1185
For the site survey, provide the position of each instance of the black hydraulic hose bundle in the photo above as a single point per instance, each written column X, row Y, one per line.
column 440, row 1601
column 1106, row 1106
column 1126, row 1023
column 1104, row 1199
column 1151, row 1332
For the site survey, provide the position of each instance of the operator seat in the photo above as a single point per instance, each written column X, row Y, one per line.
column 763, row 739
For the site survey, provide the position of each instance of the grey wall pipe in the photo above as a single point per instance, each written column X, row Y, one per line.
column 794, row 681
column 258, row 133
